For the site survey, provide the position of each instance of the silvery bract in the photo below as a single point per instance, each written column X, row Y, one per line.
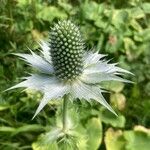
column 65, row 68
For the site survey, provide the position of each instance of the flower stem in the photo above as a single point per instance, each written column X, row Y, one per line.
column 64, row 119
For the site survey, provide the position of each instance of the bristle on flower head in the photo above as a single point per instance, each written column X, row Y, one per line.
column 66, row 50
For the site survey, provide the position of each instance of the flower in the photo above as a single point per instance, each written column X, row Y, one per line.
column 66, row 68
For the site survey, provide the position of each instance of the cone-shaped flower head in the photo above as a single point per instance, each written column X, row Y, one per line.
column 66, row 50
column 64, row 59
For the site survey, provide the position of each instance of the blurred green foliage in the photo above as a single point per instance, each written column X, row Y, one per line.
column 116, row 27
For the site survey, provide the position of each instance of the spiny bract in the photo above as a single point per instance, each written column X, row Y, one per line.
column 66, row 50
column 64, row 59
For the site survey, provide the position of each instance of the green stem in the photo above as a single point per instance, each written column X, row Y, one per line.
column 64, row 119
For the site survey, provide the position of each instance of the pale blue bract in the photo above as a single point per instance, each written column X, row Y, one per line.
column 86, row 86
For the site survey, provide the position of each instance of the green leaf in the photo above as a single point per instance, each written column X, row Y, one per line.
column 136, row 13
column 100, row 23
column 129, row 44
column 146, row 7
column 38, row 146
column 28, row 128
column 4, row 107
column 136, row 25
column 119, row 17
column 50, row 12
column 66, row 6
column 94, row 133
column 7, row 129
column 137, row 140
column 92, row 11
column 118, row 100
column 115, row 41
column 114, row 86
column 108, row 118
column 100, row 42
column 145, row 34
column 114, row 140
column 22, row 3
column 1, row 71
column 82, row 143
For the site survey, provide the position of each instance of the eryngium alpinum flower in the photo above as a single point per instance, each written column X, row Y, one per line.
column 65, row 68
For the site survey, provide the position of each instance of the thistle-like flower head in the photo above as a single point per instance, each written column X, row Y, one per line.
column 66, row 50
column 66, row 68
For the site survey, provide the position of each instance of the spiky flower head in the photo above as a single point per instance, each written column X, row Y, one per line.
column 64, row 59
column 66, row 50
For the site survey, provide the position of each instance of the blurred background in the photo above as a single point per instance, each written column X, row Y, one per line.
column 119, row 28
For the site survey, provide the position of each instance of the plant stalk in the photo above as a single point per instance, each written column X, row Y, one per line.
column 64, row 119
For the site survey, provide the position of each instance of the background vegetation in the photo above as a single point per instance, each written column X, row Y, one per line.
column 117, row 27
